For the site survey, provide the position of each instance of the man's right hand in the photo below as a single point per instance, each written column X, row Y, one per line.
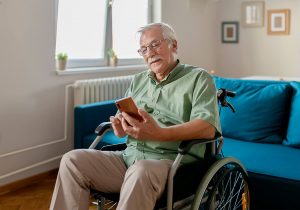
column 117, row 126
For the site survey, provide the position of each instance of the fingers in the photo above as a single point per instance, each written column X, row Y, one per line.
column 119, row 116
column 144, row 114
column 112, row 119
column 130, row 120
column 117, row 127
column 116, row 119
column 138, row 129
column 125, row 124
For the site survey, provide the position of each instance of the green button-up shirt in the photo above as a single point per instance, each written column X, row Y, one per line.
column 187, row 93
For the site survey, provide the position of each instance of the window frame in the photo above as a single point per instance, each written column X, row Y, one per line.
column 103, row 62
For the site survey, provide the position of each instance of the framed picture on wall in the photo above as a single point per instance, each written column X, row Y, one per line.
column 230, row 32
column 279, row 22
column 253, row 13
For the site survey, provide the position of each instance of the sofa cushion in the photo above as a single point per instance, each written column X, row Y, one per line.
column 275, row 160
column 262, row 110
column 293, row 130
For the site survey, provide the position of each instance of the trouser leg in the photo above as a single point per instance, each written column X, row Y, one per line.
column 81, row 169
column 143, row 184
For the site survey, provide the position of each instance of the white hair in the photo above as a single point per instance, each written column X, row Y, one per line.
column 167, row 31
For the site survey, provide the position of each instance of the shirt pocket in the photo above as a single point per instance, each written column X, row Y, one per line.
column 168, row 120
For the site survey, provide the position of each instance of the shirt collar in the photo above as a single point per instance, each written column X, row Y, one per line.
column 171, row 75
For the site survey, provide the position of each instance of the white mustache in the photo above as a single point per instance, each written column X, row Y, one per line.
column 153, row 59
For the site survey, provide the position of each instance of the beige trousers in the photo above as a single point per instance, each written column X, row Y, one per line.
column 140, row 185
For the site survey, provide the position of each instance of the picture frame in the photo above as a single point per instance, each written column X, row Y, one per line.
column 253, row 13
column 279, row 21
column 230, row 32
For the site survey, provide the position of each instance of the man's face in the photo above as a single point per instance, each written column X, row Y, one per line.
column 159, row 56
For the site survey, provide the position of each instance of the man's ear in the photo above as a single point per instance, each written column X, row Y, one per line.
column 174, row 45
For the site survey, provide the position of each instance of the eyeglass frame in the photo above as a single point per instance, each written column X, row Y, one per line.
column 150, row 46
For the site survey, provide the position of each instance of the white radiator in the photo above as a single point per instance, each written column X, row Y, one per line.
column 102, row 89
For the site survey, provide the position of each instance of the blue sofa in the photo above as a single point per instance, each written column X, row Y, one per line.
column 264, row 134
column 87, row 117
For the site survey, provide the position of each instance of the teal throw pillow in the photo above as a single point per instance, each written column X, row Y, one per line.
column 261, row 110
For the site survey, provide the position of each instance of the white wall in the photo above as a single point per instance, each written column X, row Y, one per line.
column 31, row 94
column 198, row 26
column 194, row 23
column 258, row 53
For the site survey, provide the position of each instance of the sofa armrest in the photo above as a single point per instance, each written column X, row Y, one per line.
column 88, row 116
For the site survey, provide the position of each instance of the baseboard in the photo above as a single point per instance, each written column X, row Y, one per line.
column 26, row 182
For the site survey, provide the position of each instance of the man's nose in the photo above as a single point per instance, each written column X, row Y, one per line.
column 150, row 52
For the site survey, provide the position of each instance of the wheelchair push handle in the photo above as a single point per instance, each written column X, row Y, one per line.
column 230, row 93
column 222, row 97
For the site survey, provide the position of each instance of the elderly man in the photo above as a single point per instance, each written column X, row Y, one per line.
column 177, row 102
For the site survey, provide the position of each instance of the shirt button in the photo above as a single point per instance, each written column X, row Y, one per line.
column 156, row 112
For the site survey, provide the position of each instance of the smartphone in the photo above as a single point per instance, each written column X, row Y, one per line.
column 127, row 105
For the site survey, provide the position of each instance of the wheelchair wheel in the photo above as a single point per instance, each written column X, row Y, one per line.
column 225, row 186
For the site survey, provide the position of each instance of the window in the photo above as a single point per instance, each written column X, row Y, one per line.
column 87, row 28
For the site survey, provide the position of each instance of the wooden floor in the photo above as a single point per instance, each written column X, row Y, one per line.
column 34, row 197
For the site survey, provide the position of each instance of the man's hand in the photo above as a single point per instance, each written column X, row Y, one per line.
column 117, row 126
column 141, row 130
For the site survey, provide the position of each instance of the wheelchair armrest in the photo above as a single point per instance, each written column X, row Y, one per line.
column 100, row 131
column 185, row 146
column 102, row 128
column 114, row 147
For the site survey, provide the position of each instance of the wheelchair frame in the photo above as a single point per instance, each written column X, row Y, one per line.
column 219, row 173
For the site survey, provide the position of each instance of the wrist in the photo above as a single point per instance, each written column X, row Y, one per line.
column 164, row 134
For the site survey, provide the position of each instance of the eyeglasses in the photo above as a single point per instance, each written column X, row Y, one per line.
column 152, row 46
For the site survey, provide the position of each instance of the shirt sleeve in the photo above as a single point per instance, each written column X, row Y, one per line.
column 204, row 102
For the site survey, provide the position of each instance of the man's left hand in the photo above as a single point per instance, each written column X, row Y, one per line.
column 141, row 130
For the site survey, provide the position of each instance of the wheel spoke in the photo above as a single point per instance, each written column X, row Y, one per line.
column 232, row 196
column 227, row 194
column 223, row 187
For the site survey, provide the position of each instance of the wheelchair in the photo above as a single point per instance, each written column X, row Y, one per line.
column 214, row 182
